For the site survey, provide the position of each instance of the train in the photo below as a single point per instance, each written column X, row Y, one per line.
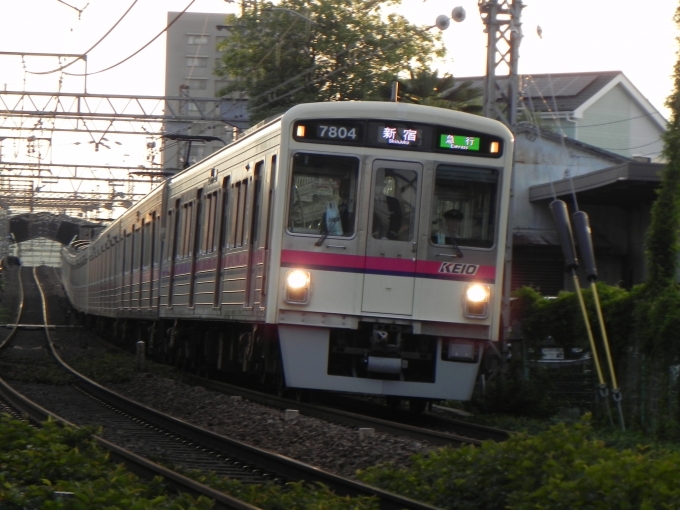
column 351, row 247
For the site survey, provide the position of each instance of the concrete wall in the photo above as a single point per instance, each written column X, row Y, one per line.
column 540, row 161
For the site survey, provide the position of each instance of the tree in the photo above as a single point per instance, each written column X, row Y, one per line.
column 428, row 88
column 662, row 237
column 319, row 50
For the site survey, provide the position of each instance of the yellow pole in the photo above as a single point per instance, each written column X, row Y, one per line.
column 590, row 331
column 616, row 393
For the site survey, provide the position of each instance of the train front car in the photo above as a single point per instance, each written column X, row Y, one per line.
column 393, row 239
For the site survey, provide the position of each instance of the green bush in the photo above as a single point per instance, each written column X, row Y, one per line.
column 560, row 468
column 37, row 463
column 297, row 495
column 511, row 394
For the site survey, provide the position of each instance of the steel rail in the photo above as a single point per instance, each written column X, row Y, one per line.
column 269, row 461
column 135, row 463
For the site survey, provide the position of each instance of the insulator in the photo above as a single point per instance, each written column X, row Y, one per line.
column 561, row 216
column 585, row 243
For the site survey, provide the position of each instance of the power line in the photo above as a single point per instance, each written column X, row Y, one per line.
column 140, row 49
column 631, row 148
column 91, row 48
column 618, row 121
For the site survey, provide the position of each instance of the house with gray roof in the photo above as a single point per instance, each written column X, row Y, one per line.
column 603, row 109
column 594, row 141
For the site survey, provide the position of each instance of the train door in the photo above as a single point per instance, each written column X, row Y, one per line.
column 389, row 280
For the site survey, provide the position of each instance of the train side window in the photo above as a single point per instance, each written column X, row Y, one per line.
column 207, row 245
column 152, row 255
column 123, row 255
column 146, row 249
column 235, row 216
column 187, row 222
column 143, row 240
column 323, row 194
column 464, row 208
column 203, row 238
column 224, row 228
column 198, row 223
column 257, row 204
column 242, row 188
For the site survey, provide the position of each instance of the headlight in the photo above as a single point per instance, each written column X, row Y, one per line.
column 297, row 286
column 477, row 299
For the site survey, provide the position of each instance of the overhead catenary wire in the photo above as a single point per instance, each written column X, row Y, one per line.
column 61, row 68
column 140, row 49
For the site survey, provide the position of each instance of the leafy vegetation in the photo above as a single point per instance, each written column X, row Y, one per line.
column 37, row 464
column 273, row 496
column 318, row 50
column 563, row 467
column 428, row 88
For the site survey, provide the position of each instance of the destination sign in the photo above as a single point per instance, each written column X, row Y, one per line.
column 398, row 135
column 465, row 143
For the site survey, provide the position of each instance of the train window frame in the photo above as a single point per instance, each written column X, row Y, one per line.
column 464, row 208
column 344, row 190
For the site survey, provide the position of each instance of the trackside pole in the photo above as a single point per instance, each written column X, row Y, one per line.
column 561, row 216
column 585, row 243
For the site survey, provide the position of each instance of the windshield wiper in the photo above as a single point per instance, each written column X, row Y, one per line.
column 455, row 245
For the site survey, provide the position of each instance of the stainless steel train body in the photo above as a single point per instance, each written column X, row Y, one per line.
column 312, row 252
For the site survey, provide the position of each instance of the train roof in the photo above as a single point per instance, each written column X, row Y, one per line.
column 395, row 111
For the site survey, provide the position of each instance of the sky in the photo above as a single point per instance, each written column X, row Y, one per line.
column 637, row 38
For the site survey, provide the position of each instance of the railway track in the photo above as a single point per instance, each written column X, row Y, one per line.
column 137, row 432
column 335, row 408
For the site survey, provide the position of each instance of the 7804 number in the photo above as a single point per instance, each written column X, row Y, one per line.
column 339, row 132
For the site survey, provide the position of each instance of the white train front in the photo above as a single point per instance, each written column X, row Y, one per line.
column 353, row 246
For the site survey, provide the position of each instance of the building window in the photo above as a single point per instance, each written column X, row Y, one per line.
column 197, row 61
column 197, row 84
column 197, row 39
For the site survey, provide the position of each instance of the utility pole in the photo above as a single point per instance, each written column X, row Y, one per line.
column 501, row 97
column 504, row 29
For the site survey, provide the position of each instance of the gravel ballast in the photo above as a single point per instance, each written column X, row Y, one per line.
column 326, row 445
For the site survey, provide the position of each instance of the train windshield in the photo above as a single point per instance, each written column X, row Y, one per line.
column 323, row 195
column 464, row 206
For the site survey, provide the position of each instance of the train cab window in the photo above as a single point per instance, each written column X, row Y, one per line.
column 323, row 195
column 464, row 206
column 394, row 204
